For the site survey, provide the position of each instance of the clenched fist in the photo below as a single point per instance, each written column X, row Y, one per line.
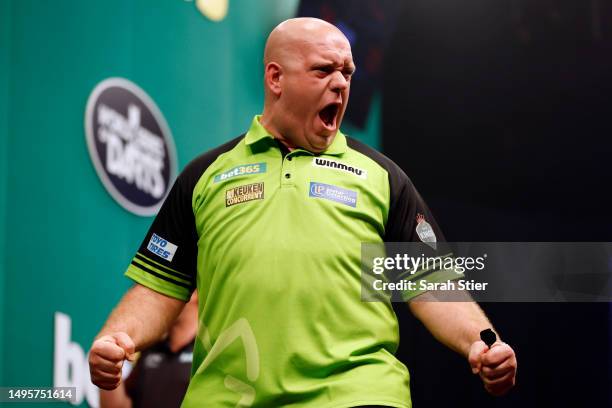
column 496, row 366
column 106, row 359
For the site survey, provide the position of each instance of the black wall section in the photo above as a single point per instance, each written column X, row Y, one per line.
column 500, row 113
column 368, row 25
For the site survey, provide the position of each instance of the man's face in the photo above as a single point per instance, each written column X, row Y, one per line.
column 315, row 91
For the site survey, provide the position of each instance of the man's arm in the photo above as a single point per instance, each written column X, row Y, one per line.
column 139, row 320
column 457, row 325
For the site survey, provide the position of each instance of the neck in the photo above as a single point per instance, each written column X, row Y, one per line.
column 268, row 122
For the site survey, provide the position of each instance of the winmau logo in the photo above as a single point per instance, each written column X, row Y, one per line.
column 130, row 145
column 332, row 164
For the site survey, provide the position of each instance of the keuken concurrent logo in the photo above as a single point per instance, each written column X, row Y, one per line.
column 130, row 145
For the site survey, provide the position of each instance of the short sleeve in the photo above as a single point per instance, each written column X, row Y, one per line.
column 166, row 259
column 410, row 220
column 407, row 210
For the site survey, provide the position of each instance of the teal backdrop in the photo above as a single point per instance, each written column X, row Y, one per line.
column 64, row 242
column 5, row 29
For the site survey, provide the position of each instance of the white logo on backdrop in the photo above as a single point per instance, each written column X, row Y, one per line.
column 132, row 152
column 70, row 365
column 130, row 145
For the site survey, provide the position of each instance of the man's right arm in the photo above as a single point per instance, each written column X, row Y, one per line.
column 139, row 320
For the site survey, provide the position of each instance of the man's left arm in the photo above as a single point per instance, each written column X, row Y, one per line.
column 457, row 325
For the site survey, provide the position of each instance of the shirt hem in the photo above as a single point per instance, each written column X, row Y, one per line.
column 139, row 277
column 386, row 403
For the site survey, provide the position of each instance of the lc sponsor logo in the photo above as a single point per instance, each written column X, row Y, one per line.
column 130, row 145
column 245, row 169
column 332, row 164
column 242, row 194
column 161, row 247
column 333, row 193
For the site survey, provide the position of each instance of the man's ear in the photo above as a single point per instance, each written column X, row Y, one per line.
column 272, row 75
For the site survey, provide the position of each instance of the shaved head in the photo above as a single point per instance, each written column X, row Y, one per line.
column 308, row 68
column 290, row 37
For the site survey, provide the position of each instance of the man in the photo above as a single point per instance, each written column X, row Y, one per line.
column 161, row 374
column 268, row 227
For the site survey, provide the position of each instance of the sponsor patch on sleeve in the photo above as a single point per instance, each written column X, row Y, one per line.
column 161, row 247
column 425, row 231
column 333, row 193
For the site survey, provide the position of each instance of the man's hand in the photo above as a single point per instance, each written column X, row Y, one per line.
column 139, row 321
column 496, row 366
column 106, row 359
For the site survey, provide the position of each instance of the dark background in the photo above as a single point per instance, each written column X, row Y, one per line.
column 500, row 112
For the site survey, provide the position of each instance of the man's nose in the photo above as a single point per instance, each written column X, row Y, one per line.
column 338, row 82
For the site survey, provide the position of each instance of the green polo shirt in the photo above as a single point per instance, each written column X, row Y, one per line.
column 272, row 241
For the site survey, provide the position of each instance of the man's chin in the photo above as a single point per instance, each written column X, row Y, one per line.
column 320, row 143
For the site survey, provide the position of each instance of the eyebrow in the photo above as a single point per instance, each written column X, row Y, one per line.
column 350, row 67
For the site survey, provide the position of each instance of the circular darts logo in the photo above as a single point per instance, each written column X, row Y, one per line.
column 130, row 145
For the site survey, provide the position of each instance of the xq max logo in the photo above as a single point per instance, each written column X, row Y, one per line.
column 333, row 193
column 161, row 247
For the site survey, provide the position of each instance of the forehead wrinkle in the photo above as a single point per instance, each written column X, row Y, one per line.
column 333, row 57
column 334, row 47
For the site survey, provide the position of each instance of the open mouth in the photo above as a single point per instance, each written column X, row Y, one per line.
column 328, row 115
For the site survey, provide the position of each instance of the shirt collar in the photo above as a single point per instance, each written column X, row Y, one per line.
column 257, row 132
